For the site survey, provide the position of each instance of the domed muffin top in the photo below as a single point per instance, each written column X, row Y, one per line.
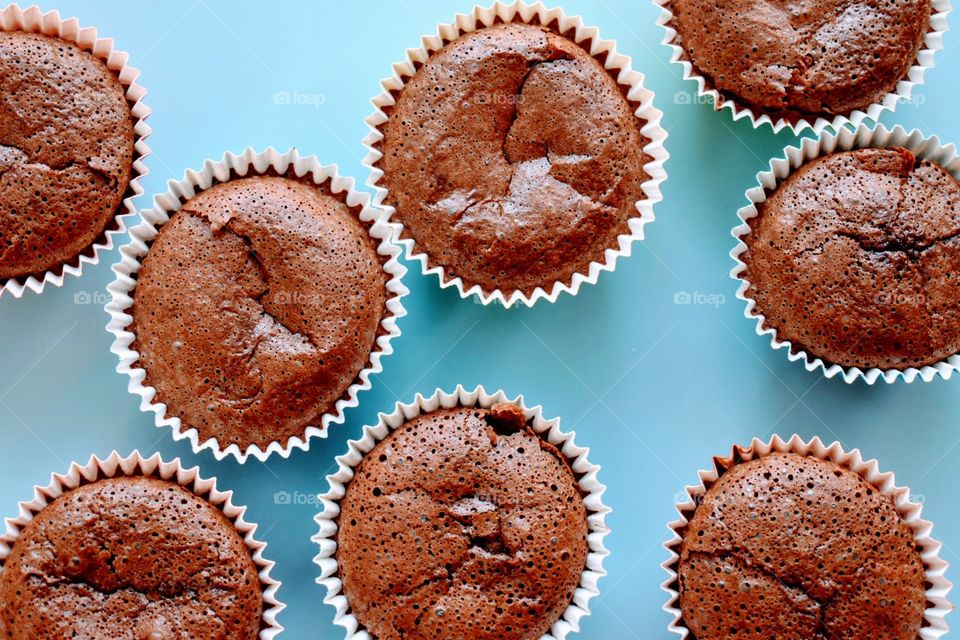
column 256, row 308
column 798, row 58
column 131, row 558
column 854, row 258
column 513, row 159
column 66, row 151
column 793, row 547
column 462, row 523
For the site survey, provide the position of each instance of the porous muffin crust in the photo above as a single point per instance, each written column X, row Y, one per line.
column 798, row 58
column 795, row 548
column 66, row 152
column 854, row 258
column 256, row 308
column 513, row 159
column 462, row 523
column 130, row 558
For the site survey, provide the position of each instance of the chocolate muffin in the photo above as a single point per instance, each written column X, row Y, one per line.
column 462, row 523
column 513, row 159
column 130, row 558
column 66, row 152
column 801, row 59
column 793, row 547
column 854, row 259
column 256, row 308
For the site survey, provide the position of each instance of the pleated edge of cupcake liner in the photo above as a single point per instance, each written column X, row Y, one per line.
column 794, row 157
column 115, row 465
column 482, row 17
column 248, row 163
column 936, row 567
column 549, row 429
column 31, row 20
column 932, row 43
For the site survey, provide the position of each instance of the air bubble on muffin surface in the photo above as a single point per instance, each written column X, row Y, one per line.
column 793, row 547
column 130, row 558
column 513, row 159
column 462, row 523
column 66, row 152
column 256, row 308
column 854, row 258
column 798, row 59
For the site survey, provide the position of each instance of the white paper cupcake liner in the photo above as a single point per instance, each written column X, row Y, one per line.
column 136, row 465
column 248, row 163
column 13, row 18
column 933, row 42
column 780, row 168
column 549, row 430
column 616, row 64
column 938, row 587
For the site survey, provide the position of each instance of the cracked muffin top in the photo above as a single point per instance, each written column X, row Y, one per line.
column 793, row 547
column 256, row 308
column 800, row 58
column 66, row 152
column 854, row 258
column 513, row 159
column 130, row 558
column 462, row 523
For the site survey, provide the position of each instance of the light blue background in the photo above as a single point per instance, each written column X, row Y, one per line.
column 654, row 388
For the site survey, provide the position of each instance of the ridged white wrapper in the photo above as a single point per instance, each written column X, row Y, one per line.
column 938, row 606
column 548, row 429
column 13, row 18
column 780, row 168
column 123, row 289
column 115, row 465
column 616, row 64
column 932, row 42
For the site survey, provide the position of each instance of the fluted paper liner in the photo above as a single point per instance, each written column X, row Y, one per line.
column 933, row 42
column 114, row 465
column 938, row 587
column 123, row 289
column 31, row 20
column 549, row 430
column 780, row 168
column 616, row 64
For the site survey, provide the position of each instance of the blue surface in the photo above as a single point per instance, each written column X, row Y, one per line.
column 654, row 388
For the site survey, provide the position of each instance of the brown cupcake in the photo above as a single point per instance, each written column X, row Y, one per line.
column 462, row 523
column 513, row 159
column 256, row 308
column 130, row 558
column 800, row 60
column 794, row 547
column 854, row 259
column 66, row 152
